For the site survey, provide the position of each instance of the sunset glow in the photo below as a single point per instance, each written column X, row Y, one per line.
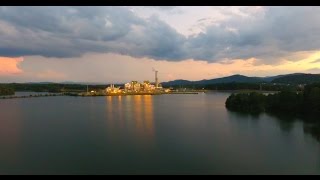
column 191, row 43
column 10, row 65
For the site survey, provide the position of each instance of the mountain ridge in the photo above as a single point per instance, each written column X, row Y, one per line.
column 238, row 78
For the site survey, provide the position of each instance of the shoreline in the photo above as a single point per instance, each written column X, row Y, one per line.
column 30, row 96
column 91, row 95
column 243, row 90
column 134, row 94
column 126, row 94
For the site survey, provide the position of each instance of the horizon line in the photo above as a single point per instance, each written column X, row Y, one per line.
column 101, row 83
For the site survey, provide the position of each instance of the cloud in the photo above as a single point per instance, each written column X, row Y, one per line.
column 164, row 8
column 313, row 70
column 115, row 68
column 51, row 75
column 316, row 61
column 72, row 32
column 10, row 65
column 269, row 34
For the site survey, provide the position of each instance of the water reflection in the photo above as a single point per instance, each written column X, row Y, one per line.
column 169, row 134
column 109, row 112
column 286, row 122
column 148, row 114
column 131, row 114
column 120, row 114
column 143, row 110
column 138, row 113
column 313, row 130
column 10, row 134
column 242, row 115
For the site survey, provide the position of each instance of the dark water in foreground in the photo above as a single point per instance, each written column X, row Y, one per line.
column 166, row 134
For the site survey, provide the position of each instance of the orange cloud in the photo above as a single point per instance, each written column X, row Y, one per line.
column 10, row 65
column 114, row 68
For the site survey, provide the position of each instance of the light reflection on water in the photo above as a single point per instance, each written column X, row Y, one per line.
column 132, row 113
column 167, row 134
column 10, row 134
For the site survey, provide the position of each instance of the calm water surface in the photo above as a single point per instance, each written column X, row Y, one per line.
column 165, row 134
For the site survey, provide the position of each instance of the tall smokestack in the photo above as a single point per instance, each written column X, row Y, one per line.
column 156, row 76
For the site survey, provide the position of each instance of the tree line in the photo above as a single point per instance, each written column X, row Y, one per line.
column 239, row 86
column 5, row 90
column 52, row 87
column 56, row 87
column 304, row 104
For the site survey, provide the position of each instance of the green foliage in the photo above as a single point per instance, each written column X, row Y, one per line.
column 52, row 87
column 6, row 90
column 284, row 101
column 311, row 96
column 298, row 79
column 239, row 86
column 246, row 102
column 304, row 104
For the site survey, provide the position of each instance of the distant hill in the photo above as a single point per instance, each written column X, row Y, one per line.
column 298, row 78
column 177, row 82
column 229, row 79
column 271, row 78
column 234, row 78
column 38, row 83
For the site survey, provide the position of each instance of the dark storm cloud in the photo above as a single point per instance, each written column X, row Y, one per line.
column 69, row 32
column 278, row 33
column 73, row 31
column 155, row 39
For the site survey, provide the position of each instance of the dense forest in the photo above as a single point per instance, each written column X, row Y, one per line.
column 298, row 79
column 293, row 79
column 52, row 87
column 240, row 86
column 305, row 104
column 56, row 88
column 229, row 79
column 6, row 90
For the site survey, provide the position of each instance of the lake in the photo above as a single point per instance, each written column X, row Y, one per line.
column 161, row 134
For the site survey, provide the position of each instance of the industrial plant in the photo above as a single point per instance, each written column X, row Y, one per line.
column 131, row 88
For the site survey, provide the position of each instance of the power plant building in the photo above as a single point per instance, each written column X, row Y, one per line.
column 113, row 89
column 135, row 86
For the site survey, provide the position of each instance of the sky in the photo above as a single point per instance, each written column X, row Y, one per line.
column 122, row 43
